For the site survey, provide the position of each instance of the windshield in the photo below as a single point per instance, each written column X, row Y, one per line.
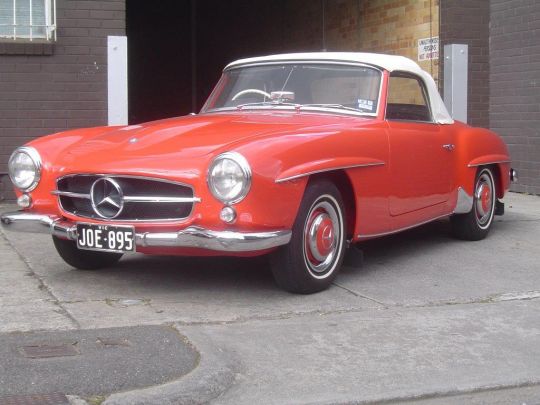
column 309, row 86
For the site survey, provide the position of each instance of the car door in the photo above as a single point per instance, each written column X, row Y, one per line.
column 420, row 151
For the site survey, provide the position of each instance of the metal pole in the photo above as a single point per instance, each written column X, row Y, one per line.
column 31, row 19
column 193, row 56
column 323, row 22
column 14, row 19
column 47, row 19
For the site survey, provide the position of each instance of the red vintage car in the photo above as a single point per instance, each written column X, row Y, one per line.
column 296, row 156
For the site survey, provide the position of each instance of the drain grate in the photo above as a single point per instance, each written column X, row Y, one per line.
column 47, row 351
column 40, row 399
column 91, row 362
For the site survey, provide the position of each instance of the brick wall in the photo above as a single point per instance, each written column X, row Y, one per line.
column 514, row 83
column 384, row 26
column 467, row 22
column 51, row 88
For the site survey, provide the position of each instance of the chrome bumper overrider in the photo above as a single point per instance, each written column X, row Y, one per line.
column 191, row 237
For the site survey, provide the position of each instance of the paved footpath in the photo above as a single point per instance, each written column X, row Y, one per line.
column 425, row 320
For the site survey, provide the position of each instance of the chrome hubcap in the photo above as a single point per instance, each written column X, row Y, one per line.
column 322, row 237
column 484, row 199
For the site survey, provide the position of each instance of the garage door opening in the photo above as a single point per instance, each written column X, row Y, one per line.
column 178, row 48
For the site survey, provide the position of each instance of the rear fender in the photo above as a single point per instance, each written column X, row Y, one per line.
column 478, row 147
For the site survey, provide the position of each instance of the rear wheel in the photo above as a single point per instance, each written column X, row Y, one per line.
column 311, row 261
column 84, row 259
column 476, row 224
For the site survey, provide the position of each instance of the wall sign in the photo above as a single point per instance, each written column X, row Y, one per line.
column 428, row 49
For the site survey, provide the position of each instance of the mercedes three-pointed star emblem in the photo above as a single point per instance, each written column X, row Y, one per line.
column 107, row 198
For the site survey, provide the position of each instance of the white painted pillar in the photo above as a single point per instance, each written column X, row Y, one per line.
column 117, row 80
column 456, row 60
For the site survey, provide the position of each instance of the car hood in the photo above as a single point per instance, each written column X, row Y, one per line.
column 184, row 137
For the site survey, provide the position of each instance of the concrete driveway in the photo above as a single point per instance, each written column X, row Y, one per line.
column 426, row 318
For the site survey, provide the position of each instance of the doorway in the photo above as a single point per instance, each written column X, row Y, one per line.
column 178, row 48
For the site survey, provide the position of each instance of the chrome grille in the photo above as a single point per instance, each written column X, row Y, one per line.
column 142, row 198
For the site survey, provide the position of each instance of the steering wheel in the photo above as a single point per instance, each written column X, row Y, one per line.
column 246, row 91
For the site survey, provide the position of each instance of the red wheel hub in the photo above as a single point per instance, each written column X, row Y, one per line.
column 325, row 236
column 320, row 236
column 485, row 198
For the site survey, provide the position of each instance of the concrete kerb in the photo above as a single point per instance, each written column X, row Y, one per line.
column 444, row 396
column 214, row 374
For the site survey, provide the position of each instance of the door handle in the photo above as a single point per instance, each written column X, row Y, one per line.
column 449, row 146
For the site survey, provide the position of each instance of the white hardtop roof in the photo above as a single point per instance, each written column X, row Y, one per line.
column 386, row 62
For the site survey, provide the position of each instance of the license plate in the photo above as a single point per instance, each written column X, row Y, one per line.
column 106, row 238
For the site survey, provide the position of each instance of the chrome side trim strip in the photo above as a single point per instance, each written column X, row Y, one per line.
column 488, row 163
column 297, row 176
column 464, row 202
column 374, row 235
column 191, row 237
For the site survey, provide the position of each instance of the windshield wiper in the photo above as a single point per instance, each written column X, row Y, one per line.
column 300, row 106
column 332, row 105
column 270, row 103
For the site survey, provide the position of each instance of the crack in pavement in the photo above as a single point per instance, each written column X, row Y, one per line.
column 356, row 294
column 519, row 220
column 41, row 283
column 446, row 394
column 492, row 299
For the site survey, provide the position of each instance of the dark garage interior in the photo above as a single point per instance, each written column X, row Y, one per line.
column 177, row 48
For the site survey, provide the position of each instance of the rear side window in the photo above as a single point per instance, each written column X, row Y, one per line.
column 407, row 99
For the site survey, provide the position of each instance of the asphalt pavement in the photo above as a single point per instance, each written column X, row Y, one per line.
column 426, row 320
column 94, row 362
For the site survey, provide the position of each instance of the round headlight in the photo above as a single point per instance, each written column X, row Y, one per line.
column 229, row 177
column 25, row 168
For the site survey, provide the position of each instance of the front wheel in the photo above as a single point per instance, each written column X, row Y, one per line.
column 476, row 224
column 84, row 259
column 311, row 261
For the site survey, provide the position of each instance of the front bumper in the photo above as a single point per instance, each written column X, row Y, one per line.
column 191, row 237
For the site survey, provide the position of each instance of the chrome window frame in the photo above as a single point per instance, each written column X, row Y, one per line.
column 204, row 109
column 423, row 85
